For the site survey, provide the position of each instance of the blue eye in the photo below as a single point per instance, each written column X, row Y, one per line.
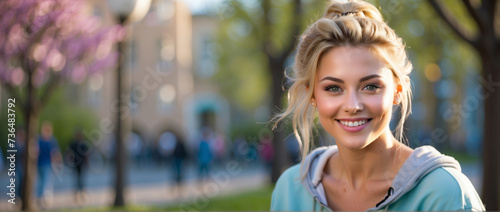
column 333, row 88
column 371, row 87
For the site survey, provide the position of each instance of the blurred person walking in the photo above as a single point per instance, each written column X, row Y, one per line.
column 240, row 148
column 49, row 157
column 266, row 151
column 135, row 147
column 166, row 146
column 204, row 155
column 219, row 147
column 77, row 156
column 179, row 155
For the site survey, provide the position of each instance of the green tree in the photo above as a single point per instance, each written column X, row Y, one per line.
column 257, row 41
column 434, row 50
column 485, row 39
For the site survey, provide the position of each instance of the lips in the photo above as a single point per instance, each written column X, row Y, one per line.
column 353, row 125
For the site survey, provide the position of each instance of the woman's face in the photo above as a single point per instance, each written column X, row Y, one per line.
column 354, row 93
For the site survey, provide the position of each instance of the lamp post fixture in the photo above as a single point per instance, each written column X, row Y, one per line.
column 126, row 11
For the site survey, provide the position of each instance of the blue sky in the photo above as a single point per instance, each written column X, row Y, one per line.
column 197, row 6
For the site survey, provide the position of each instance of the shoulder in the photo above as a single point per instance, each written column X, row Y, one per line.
column 449, row 180
column 289, row 194
column 446, row 189
column 288, row 181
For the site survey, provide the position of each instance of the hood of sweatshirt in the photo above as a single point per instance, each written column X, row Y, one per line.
column 422, row 161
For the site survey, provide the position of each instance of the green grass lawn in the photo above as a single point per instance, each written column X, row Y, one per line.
column 255, row 200
column 258, row 199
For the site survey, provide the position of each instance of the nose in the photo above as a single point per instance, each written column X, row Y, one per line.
column 353, row 103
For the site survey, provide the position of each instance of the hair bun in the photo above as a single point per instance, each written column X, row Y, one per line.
column 352, row 8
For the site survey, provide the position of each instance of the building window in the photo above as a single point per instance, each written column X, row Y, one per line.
column 166, row 97
column 166, row 54
column 207, row 58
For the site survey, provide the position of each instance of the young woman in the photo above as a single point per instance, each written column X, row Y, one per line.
column 351, row 71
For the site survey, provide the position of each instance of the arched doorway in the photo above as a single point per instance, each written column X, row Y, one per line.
column 206, row 110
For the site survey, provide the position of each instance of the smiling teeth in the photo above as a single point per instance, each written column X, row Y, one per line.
column 353, row 124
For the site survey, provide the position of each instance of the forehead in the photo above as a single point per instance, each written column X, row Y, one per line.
column 351, row 61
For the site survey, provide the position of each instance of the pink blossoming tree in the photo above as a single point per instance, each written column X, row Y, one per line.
column 43, row 45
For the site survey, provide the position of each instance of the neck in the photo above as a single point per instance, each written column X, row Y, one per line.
column 375, row 162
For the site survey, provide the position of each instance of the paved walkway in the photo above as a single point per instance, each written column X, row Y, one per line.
column 230, row 177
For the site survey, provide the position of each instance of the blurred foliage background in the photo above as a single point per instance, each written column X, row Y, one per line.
column 442, row 62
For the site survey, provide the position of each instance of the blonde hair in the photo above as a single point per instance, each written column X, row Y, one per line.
column 355, row 24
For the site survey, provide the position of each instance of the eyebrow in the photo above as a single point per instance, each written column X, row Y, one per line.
column 360, row 80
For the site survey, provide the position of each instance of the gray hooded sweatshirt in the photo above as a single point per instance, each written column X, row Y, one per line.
column 427, row 181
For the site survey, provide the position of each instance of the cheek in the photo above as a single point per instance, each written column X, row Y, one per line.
column 328, row 106
column 380, row 105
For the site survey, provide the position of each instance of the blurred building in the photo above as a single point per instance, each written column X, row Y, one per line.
column 170, row 60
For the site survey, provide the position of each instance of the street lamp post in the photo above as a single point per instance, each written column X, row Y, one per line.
column 126, row 11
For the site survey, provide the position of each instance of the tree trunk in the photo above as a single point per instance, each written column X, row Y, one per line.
column 491, row 159
column 30, row 163
column 279, row 162
column 30, row 154
column 488, row 46
column 276, row 60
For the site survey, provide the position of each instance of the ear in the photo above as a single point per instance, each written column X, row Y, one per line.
column 399, row 88
column 397, row 94
column 312, row 100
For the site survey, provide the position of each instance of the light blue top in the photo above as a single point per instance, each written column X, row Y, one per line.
column 427, row 181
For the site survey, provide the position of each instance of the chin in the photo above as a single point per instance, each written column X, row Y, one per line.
column 353, row 143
